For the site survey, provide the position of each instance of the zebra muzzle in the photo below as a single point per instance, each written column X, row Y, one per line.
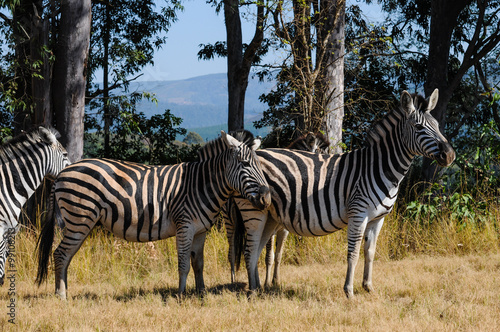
column 262, row 199
column 446, row 154
column 1, row 281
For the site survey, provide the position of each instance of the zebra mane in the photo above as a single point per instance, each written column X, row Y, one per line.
column 217, row 146
column 379, row 128
column 243, row 136
column 32, row 135
column 310, row 140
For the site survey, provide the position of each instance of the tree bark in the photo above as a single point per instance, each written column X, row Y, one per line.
column 444, row 16
column 70, row 74
column 332, row 77
column 239, row 63
column 41, row 91
column 235, row 119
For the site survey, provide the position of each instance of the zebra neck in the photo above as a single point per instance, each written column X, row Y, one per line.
column 391, row 155
column 211, row 185
column 21, row 173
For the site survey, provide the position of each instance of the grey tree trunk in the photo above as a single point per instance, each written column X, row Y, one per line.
column 70, row 74
column 333, row 76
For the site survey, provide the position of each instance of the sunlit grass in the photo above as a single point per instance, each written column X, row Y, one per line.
column 428, row 274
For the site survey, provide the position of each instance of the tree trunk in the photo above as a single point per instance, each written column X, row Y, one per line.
column 444, row 15
column 333, row 73
column 239, row 63
column 41, row 85
column 105, row 84
column 235, row 119
column 70, row 74
column 302, row 67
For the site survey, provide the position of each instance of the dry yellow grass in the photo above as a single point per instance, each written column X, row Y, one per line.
column 120, row 286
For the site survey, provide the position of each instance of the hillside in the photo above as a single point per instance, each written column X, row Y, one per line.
column 201, row 101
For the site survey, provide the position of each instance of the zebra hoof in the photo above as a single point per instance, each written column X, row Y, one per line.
column 349, row 292
column 202, row 293
column 62, row 296
column 368, row 287
column 251, row 295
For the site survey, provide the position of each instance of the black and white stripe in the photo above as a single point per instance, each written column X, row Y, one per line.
column 312, row 142
column 24, row 161
column 317, row 194
column 148, row 203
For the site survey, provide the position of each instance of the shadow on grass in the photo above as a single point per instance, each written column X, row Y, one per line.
column 47, row 295
column 171, row 293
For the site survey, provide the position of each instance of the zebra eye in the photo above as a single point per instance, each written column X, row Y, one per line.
column 419, row 126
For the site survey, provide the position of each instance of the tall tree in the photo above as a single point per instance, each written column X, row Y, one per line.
column 70, row 74
column 331, row 82
column 240, row 56
column 485, row 37
column 29, row 30
column 125, row 35
column 458, row 35
column 316, row 82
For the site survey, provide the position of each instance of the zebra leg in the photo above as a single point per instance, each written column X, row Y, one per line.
column 184, row 242
column 281, row 236
column 4, row 252
column 355, row 230
column 259, row 230
column 7, row 235
column 197, row 261
column 371, row 234
column 229, row 225
column 71, row 242
column 269, row 260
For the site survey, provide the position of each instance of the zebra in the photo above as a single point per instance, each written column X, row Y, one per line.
column 317, row 194
column 24, row 161
column 312, row 142
column 142, row 203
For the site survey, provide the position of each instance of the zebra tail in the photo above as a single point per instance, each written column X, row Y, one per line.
column 46, row 239
column 239, row 233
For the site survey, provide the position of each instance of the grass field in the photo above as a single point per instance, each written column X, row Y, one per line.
column 438, row 278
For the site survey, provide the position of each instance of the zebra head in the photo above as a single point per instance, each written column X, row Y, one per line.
column 57, row 154
column 244, row 172
column 422, row 130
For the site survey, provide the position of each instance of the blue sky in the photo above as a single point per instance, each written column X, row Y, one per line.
column 177, row 59
column 199, row 24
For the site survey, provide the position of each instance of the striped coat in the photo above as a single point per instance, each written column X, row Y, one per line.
column 315, row 195
column 148, row 203
column 24, row 161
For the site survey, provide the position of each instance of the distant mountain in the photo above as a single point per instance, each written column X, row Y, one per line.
column 200, row 101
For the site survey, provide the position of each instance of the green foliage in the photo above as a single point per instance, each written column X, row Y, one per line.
column 479, row 157
column 133, row 30
column 193, row 138
column 136, row 138
column 462, row 208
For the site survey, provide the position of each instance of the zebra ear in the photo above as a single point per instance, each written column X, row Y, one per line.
column 230, row 140
column 407, row 102
column 47, row 135
column 432, row 100
column 256, row 144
